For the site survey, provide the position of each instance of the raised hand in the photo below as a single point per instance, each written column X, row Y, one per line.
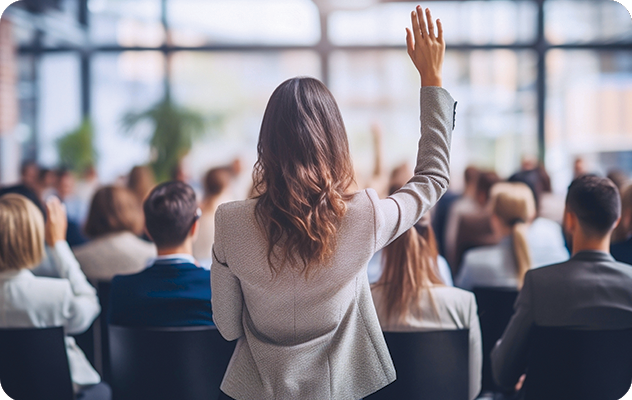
column 56, row 221
column 426, row 49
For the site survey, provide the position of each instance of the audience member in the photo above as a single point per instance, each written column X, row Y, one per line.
column 474, row 229
column 623, row 230
column 545, row 237
column 502, row 265
column 47, row 181
column 591, row 291
column 29, row 174
column 621, row 248
column 579, row 167
column 216, row 182
column 467, row 204
column 115, row 222
column 411, row 296
column 141, row 181
column 173, row 290
column 289, row 267
column 30, row 301
column 64, row 189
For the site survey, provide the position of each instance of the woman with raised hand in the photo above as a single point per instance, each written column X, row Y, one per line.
column 29, row 301
column 289, row 277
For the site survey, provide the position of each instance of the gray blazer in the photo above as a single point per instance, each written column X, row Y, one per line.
column 319, row 337
column 590, row 291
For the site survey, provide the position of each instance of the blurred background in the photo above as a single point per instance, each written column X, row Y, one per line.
column 100, row 86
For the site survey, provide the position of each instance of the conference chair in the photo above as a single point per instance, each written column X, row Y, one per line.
column 430, row 366
column 34, row 364
column 102, row 346
column 184, row 363
column 578, row 364
column 495, row 308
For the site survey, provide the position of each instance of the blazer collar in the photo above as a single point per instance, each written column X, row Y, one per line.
column 592, row 255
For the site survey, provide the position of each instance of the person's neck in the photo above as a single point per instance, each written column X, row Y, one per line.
column 584, row 243
column 209, row 204
column 184, row 248
column 470, row 191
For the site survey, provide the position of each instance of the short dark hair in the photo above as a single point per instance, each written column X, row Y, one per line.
column 170, row 210
column 596, row 203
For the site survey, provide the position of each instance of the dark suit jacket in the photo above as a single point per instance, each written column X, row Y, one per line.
column 589, row 291
column 622, row 252
column 165, row 294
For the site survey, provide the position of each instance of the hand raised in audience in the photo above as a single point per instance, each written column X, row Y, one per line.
column 426, row 49
column 56, row 221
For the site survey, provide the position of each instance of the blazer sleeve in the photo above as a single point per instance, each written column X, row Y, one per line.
column 81, row 305
column 476, row 350
column 226, row 295
column 400, row 211
column 509, row 356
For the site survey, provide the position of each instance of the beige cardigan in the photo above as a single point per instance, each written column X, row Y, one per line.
column 320, row 338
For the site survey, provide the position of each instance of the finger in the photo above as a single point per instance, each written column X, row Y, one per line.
column 440, row 29
column 430, row 24
column 422, row 22
column 409, row 42
column 416, row 30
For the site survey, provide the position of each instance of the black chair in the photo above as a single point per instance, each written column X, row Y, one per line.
column 101, row 325
column 430, row 366
column 184, row 363
column 578, row 365
column 495, row 308
column 34, row 364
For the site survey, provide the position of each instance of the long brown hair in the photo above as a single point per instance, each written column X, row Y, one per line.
column 514, row 205
column 302, row 173
column 114, row 209
column 409, row 267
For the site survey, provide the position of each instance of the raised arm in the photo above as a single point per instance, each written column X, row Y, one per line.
column 81, row 305
column 404, row 208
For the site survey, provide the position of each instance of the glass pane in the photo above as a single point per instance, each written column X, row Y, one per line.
column 126, row 22
column 589, row 98
column 234, row 87
column 496, row 119
column 508, row 22
column 59, row 105
column 129, row 81
column 580, row 21
column 198, row 22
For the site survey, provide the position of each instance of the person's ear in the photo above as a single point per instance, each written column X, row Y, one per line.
column 194, row 229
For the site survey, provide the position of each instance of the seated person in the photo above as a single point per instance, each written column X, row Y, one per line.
column 591, row 291
column 30, row 301
column 622, row 250
column 504, row 264
column 115, row 222
column 411, row 296
column 173, row 290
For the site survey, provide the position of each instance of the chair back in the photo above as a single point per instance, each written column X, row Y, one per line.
column 579, row 365
column 185, row 363
column 430, row 365
column 102, row 349
column 34, row 364
column 495, row 308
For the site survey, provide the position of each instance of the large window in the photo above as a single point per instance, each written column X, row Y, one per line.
column 532, row 77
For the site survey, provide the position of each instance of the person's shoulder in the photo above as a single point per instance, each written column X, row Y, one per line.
column 232, row 209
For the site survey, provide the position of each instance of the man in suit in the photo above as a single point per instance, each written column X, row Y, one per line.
column 173, row 290
column 589, row 291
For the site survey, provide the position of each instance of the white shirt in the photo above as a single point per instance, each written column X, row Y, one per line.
column 30, row 301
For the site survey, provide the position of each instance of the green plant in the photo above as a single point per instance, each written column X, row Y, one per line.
column 76, row 148
column 174, row 129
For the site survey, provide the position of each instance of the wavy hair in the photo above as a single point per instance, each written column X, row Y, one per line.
column 302, row 174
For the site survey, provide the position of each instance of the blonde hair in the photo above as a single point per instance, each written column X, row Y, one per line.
column 514, row 205
column 22, row 233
